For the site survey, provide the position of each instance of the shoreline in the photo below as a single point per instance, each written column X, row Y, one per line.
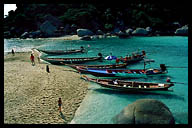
column 76, row 37
column 31, row 94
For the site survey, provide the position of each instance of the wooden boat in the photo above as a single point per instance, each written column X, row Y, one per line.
column 60, row 52
column 71, row 60
column 123, row 73
column 129, row 85
column 134, row 58
column 97, row 66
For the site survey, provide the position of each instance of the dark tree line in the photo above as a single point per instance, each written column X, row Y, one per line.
column 27, row 17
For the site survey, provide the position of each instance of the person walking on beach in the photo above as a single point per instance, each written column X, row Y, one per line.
column 13, row 52
column 32, row 58
column 47, row 69
column 59, row 104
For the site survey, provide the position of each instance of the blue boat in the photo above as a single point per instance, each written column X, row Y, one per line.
column 123, row 73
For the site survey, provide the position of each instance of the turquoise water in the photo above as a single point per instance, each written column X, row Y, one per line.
column 101, row 105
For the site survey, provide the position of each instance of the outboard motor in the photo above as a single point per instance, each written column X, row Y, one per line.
column 163, row 67
column 100, row 55
column 82, row 48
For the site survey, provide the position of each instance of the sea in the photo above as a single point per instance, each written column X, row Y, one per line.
column 101, row 105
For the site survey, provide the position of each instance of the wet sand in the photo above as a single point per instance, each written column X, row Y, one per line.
column 31, row 94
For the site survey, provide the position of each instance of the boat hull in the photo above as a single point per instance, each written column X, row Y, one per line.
column 60, row 61
column 121, row 73
column 61, row 52
column 130, row 85
column 124, row 65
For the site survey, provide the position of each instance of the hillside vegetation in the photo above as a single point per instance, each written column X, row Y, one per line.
column 162, row 17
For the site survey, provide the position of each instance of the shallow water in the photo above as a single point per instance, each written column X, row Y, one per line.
column 101, row 105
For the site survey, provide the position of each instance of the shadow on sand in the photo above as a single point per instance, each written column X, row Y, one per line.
column 62, row 116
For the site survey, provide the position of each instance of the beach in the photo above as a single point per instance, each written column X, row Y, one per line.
column 31, row 94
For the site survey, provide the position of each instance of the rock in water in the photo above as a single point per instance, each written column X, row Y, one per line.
column 182, row 31
column 84, row 32
column 145, row 111
column 129, row 31
column 140, row 32
column 85, row 38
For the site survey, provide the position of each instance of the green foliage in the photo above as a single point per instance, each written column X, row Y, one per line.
column 109, row 27
column 134, row 14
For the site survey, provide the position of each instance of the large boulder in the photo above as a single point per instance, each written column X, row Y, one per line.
column 145, row 111
column 129, row 31
column 48, row 29
column 24, row 35
column 148, row 29
column 116, row 30
column 53, row 20
column 140, row 32
column 35, row 34
column 183, row 31
column 84, row 32
column 87, row 38
column 99, row 32
column 123, row 35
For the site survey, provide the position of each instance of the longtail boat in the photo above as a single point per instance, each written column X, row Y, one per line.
column 134, row 58
column 129, row 85
column 76, row 66
column 60, row 52
column 71, row 60
column 123, row 73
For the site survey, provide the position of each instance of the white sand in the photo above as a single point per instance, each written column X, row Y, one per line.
column 31, row 94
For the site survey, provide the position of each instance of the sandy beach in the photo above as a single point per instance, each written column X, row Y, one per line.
column 31, row 94
column 67, row 37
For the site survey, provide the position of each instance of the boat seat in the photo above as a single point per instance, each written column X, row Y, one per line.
column 161, row 85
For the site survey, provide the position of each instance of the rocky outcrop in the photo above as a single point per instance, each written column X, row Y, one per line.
column 84, row 32
column 123, row 35
column 129, row 31
column 85, row 38
column 53, row 20
column 24, row 35
column 145, row 111
column 148, row 29
column 48, row 29
column 99, row 32
column 183, row 31
column 116, row 31
column 140, row 32
column 34, row 34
